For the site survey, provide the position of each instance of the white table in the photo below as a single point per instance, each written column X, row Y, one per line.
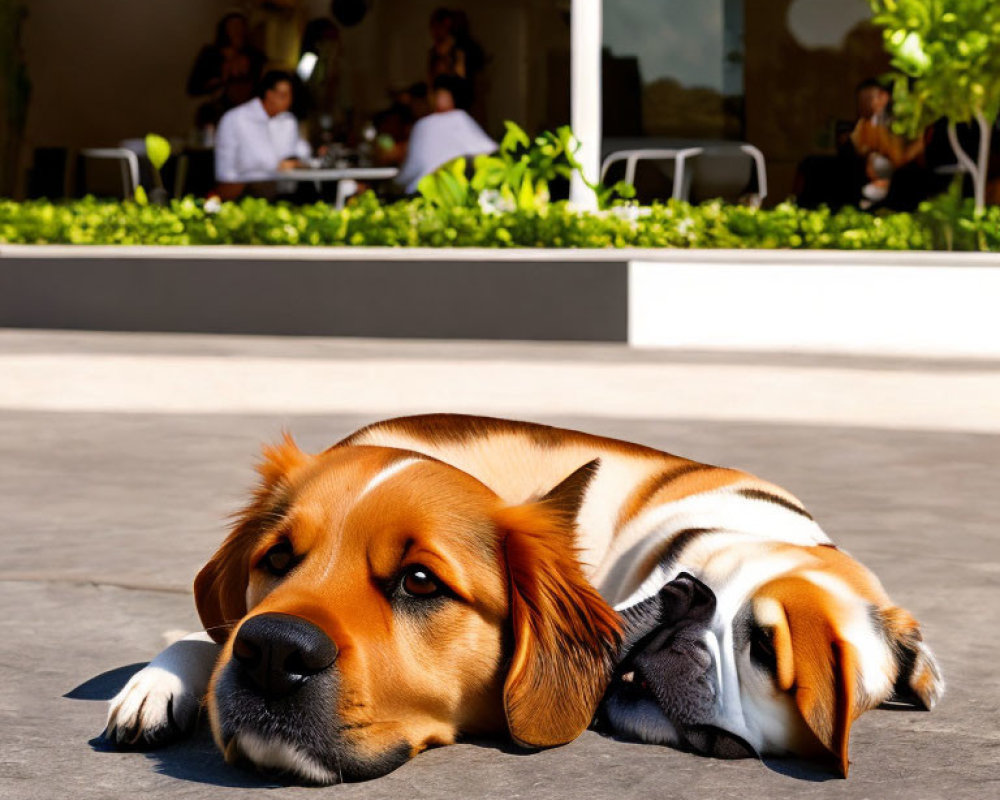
column 346, row 178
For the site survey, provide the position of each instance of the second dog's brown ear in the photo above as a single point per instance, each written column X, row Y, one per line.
column 565, row 635
column 221, row 585
column 815, row 663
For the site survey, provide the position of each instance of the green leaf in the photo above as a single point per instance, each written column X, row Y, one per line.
column 513, row 137
column 911, row 53
column 624, row 189
column 526, row 195
column 157, row 150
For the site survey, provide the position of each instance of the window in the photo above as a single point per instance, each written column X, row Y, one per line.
column 673, row 69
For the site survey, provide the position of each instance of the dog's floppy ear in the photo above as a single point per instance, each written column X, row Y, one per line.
column 814, row 662
column 919, row 681
column 220, row 587
column 565, row 635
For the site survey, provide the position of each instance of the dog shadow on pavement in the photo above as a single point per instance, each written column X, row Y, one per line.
column 195, row 759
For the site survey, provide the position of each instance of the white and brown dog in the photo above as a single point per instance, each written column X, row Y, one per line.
column 441, row 575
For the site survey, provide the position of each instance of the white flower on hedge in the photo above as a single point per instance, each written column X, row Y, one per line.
column 213, row 205
column 630, row 212
column 685, row 225
column 492, row 202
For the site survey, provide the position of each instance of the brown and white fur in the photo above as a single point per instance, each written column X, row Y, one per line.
column 517, row 524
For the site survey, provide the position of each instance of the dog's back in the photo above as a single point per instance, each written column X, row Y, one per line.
column 623, row 488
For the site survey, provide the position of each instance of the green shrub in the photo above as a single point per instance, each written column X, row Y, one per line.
column 947, row 223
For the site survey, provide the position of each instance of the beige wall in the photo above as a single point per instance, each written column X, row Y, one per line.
column 103, row 70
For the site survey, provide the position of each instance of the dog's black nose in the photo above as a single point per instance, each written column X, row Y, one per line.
column 279, row 652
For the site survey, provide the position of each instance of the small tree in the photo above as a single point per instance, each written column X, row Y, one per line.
column 947, row 53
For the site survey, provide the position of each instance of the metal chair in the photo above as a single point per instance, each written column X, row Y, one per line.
column 129, row 165
column 679, row 155
column 722, row 170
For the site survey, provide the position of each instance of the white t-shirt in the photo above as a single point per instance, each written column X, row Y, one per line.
column 249, row 144
column 438, row 138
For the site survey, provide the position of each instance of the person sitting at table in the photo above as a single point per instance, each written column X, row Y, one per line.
column 445, row 134
column 257, row 139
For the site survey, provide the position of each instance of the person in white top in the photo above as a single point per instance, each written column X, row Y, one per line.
column 439, row 137
column 258, row 138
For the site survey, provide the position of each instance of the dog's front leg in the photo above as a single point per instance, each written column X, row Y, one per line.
column 161, row 701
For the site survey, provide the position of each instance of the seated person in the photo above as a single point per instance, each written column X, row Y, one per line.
column 873, row 140
column 258, row 138
column 392, row 126
column 868, row 155
column 447, row 133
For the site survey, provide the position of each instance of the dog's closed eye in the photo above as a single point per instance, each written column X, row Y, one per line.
column 762, row 649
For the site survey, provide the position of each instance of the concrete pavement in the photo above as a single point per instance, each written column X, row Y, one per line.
column 109, row 510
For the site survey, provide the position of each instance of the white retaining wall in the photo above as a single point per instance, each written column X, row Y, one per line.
column 937, row 305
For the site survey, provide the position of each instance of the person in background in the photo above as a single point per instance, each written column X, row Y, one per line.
column 417, row 99
column 868, row 157
column 882, row 151
column 392, row 128
column 258, row 138
column 453, row 50
column 227, row 70
column 445, row 134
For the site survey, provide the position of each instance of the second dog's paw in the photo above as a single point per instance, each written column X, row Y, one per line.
column 154, row 707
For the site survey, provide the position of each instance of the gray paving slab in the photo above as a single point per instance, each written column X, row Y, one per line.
column 106, row 518
column 13, row 340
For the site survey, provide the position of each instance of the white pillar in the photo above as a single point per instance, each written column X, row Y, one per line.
column 585, row 95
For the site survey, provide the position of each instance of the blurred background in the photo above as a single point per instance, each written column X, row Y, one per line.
column 777, row 73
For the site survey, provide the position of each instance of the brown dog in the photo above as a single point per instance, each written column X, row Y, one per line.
column 434, row 576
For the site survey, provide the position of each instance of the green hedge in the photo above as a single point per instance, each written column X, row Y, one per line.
column 945, row 224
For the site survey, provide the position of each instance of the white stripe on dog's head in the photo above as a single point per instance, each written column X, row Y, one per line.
column 386, row 473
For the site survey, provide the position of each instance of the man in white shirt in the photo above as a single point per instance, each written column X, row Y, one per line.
column 442, row 136
column 258, row 138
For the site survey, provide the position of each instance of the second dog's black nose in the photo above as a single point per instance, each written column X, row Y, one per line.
column 279, row 652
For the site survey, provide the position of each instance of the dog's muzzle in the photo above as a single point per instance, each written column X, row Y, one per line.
column 279, row 653
column 666, row 659
column 276, row 706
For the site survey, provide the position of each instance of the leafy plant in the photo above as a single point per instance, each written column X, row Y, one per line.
column 520, row 171
column 950, row 220
column 157, row 151
column 517, row 176
column 947, row 57
column 447, row 186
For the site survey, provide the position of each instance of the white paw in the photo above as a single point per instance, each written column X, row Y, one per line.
column 153, row 708
column 161, row 702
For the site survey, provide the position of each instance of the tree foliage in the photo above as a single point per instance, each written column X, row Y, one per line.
column 947, row 57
